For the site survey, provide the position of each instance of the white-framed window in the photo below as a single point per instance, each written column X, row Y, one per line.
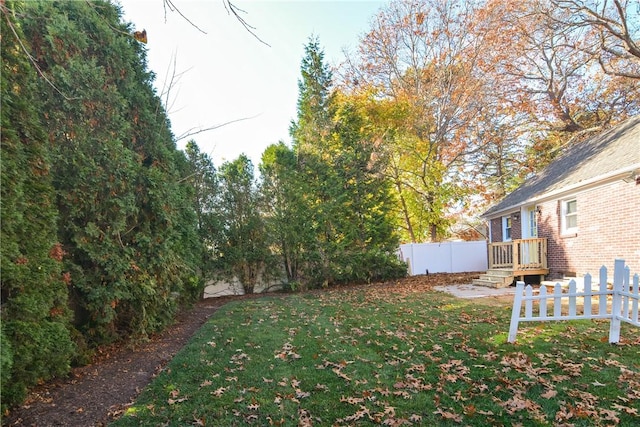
column 569, row 219
column 506, row 228
column 532, row 222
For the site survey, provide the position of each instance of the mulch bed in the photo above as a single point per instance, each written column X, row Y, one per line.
column 96, row 394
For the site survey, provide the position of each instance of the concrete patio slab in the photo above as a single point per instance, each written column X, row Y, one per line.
column 473, row 291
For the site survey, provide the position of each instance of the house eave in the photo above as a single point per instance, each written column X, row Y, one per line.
column 568, row 190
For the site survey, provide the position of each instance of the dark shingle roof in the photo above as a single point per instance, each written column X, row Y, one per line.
column 615, row 150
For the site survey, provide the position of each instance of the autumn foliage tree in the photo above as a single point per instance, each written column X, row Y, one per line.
column 421, row 57
column 553, row 82
column 480, row 94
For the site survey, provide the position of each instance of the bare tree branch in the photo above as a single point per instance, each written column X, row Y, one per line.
column 615, row 29
column 167, row 87
column 196, row 131
column 233, row 9
column 173, row 8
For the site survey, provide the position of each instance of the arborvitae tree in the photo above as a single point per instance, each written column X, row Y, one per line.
column 363, row 247
column 203, row 183
column 347, row 196
column 243, row 252
column 310, row 133
column 286, row 212
column 35, row 339
column 124, row 217
column 314, row 99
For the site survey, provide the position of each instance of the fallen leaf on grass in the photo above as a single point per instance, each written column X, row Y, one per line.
column 630, row 411
column 219, row 392
column 449, row 415
column 402, row 393
column 352, row 400
column 549, row 394
column 302, row 394
column 358, row 415
column 304, row 418
column 610, row 415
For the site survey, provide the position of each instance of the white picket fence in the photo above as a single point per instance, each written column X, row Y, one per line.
column 619, row 304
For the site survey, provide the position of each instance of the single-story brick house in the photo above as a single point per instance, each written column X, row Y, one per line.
column 580, row 212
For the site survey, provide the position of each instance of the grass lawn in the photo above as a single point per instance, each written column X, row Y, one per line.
column 395, row 356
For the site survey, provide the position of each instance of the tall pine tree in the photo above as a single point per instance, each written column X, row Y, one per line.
column 346, row 194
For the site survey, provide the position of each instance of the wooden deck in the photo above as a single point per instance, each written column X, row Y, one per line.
column 522, row 257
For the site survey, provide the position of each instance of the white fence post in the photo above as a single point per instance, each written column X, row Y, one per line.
column 602, row 310
column 543, row 302
column 515, row 313
column 636, row 295
column 616, row 303
column 587, row 295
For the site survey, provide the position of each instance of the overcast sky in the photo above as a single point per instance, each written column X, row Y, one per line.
column 227, row 74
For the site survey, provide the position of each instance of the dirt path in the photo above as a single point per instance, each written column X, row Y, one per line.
column 93, row 395
column 96, row 394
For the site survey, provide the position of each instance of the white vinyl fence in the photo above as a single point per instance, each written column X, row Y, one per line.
column 445, row 257
column 619, row 304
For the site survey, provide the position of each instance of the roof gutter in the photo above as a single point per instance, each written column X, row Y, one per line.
column 588, row 184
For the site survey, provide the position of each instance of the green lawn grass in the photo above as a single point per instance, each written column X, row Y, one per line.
column 392, row 357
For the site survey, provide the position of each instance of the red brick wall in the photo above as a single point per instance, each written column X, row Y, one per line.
column 608, row 228
column 496, row 230
column 516, row 227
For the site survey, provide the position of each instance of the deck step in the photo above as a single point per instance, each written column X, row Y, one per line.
column 484, row 282
column 495, row 279
column 499, row 272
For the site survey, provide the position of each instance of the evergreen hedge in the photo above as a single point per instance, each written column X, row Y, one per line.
column 99, row 239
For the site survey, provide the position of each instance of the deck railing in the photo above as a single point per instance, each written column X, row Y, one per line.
column 519, row 255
